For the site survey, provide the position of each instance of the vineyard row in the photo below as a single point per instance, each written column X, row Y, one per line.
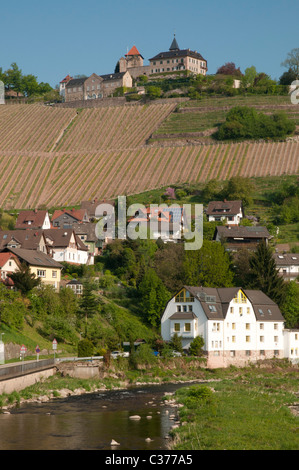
column 60, row 178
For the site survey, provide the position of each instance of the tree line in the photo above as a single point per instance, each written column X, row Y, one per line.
column 27, row 85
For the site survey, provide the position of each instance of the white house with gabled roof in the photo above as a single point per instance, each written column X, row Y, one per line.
column 238, row 326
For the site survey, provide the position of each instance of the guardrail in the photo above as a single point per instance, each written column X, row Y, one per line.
column 9, row 371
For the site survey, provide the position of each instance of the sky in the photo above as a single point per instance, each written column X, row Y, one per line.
column 51, row 39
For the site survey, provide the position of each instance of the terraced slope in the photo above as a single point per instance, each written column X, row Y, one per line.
column 32, row 179
column 58, row 157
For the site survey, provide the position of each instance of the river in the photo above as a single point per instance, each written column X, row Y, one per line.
column 91, row 421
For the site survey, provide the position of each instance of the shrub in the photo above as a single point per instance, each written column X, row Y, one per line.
column 85, row 348
column 243, row 122
column 196, row 346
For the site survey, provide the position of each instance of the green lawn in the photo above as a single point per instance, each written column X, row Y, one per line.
column 249, row 412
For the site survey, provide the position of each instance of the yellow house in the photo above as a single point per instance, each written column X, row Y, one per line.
column 42, row 265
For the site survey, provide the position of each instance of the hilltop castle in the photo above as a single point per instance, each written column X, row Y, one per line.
column 129, row 68
column 175, row 59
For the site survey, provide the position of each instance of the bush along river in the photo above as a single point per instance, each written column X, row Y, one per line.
column 136, row 418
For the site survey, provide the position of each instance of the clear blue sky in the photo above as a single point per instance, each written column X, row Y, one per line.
column 53, row 38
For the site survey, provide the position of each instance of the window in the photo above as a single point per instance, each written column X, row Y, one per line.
column 177, row 327
column 247, row 326
column 248, row 309
column 232, row 310
column 240, row 298
column 41, row 273
column 188, row 327
column 247, row 339
column 178, row 308
column 233, row 339
column 54, row 273
column 275, row 339
column 261, row 326
column 184, row 296
column 262, row 339
column 275, row 326
column 233, row 326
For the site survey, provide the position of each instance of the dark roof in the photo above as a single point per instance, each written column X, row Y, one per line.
column 243, row 232
column 28, row 239
column 174, row 45
column 286, row 259
column 60, row 238
column 215, row 302
column 178, row 53
column 90, row 206
column 183, row 316
column 36, row 218
column 76, row 82
column 218, row 207
column 35, row 258
column 86, row 228
column 113, row 76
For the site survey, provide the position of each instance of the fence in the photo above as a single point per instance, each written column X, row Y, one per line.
column 10, row 371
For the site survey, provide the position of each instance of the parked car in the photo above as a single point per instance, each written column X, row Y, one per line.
column 116, row 354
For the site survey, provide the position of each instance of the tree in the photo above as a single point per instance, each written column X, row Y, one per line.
column 176, row 343
column 290, row 305
column 196, row 346
column 89, row 304
column 24, row 280
column 243, row 122
column 292, row 62
column 229, row 69
column 13, row 78
column 153, row 92
column 237, row 188
column 264, row 274
column 210, row 266
column 249, row 76
column 287, row 78
column 154, row 296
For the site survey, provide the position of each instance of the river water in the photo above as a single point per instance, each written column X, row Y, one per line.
column 92, row 421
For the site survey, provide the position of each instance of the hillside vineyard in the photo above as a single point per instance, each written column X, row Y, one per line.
column 60, row 156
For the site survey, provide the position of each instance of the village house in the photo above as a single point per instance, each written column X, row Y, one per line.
column 288, row 265
column 65, row 246
column 291, row 345
column 9, row 263
column 238, row 326
column 96, row 86
column 229, row 211
column 35, row 219
column 26, row 239
column 87, row 234
column 76, row 286
column 239, row 237
column 42, row 265
column 165, row 223
column 63, row 84
column 90, row 206
column 66, row 218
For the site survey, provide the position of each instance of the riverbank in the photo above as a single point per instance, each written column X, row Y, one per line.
column 248, row 408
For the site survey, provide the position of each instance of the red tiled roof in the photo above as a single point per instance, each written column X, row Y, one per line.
column 76, row 213
column 66, row 79
column 4, row 257
column 133, row 51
